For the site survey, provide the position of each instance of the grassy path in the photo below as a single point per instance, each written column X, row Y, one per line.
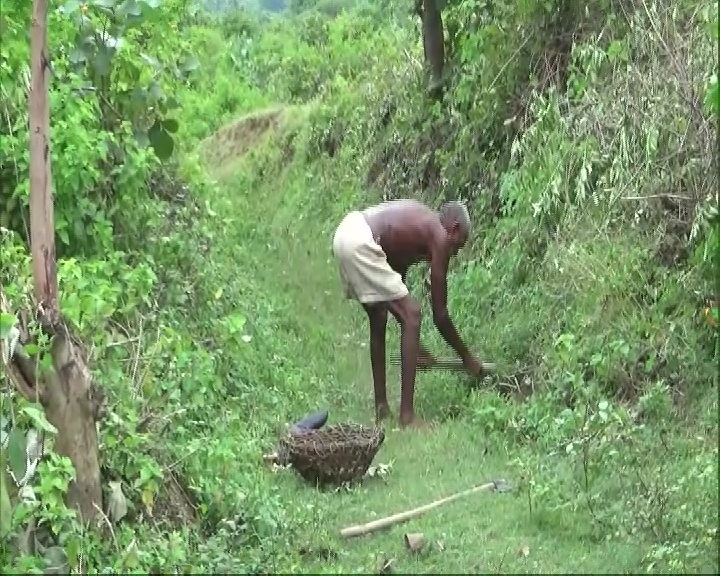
column 482, row 533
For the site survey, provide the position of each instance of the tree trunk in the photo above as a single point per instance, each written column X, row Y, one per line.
column 42, row 217
column 433, row 40
column 72, row 401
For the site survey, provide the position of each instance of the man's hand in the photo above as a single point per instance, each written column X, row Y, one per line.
column 473, row 365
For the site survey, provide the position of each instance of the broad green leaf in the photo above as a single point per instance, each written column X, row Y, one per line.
column 139, row 96
column 72, row 549
column 70, row 6
column 130, row 558
column 5, row 504
column 103, row 60
column 38, row 418
column 156, row 91
column 171, row 103
column 712, row 96
column 79, row 230
column 117, row 504
column 192, row 63
column 151, row 3
column 7, row 321
column 56, row 560
column 129, row 8
column 31, row 349
column 63, row 235
column 132, row 71
column 109, row 4
column 46, row 363
column 77, row 56
column 154, row 62
column 161, row 141
column 17, row 458
column 235, row 323
column 113, row 42
column 171, row 125
column 142, row 138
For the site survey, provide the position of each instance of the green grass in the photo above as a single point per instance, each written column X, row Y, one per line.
column 484, row 532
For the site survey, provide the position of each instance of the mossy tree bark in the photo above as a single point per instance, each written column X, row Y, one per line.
column 72, row 400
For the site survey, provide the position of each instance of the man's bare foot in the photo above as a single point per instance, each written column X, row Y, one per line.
column 382, row 412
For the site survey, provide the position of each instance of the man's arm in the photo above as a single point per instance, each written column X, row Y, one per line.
column 438, row 292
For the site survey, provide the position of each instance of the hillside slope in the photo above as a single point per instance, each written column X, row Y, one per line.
column 593, row 307
column 583, row 139
column 481, row 438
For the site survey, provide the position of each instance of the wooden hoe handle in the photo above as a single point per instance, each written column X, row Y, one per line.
column 387, row 522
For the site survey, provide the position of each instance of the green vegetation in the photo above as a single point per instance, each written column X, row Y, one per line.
column 201, row 159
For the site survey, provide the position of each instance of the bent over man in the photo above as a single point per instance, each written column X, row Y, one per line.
column 374, row 249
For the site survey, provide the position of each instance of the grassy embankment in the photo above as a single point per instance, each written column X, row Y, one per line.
column 596, row 318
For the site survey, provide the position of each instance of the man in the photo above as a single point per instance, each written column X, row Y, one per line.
column 374, row 249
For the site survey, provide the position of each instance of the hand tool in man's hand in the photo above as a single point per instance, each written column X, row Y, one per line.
column 443, row 364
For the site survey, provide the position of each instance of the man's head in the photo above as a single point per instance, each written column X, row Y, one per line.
column 455, row 219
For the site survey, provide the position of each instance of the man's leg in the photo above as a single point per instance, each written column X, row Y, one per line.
column 377, row 315
column 407, row 312
column 377, row 285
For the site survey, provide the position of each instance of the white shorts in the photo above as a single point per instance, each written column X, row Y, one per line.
column 365, row 273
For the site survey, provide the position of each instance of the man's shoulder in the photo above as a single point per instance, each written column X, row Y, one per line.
column 399, row 204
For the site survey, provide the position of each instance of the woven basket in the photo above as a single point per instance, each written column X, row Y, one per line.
column 333, row 454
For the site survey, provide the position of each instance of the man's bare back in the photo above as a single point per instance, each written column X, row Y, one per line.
column 405, row 230
column 375, row 248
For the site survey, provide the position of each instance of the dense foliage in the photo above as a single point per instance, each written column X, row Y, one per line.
column 195, row 147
